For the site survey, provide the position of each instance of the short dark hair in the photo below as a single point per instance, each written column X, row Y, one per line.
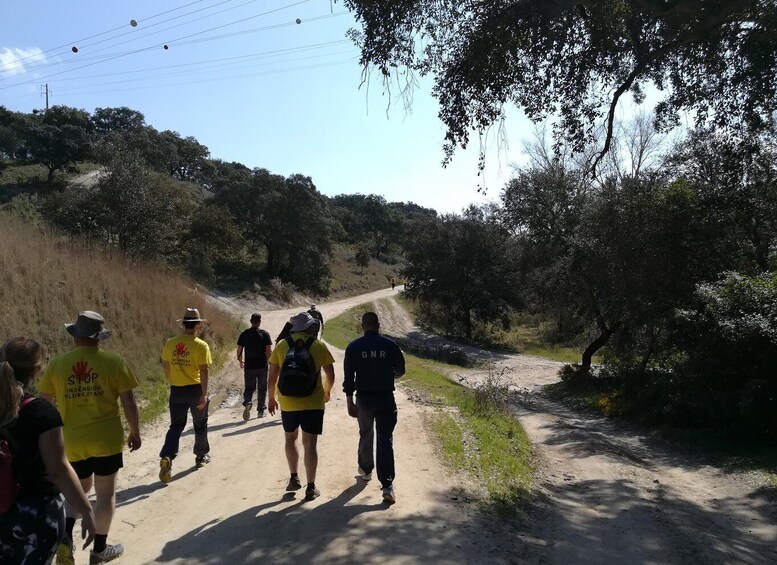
column 370, row 320
column 189, row 325
column 256, row 317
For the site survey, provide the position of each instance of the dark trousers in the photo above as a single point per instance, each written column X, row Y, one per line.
column 377, row 414
column 184, row 399
column 256, row 380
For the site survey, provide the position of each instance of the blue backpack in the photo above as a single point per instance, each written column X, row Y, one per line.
column 298, row 377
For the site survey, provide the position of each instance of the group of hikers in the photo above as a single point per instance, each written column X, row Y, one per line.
column 57, row 447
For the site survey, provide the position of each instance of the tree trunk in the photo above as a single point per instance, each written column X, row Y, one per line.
column 52, row 170
column 468, row 324
column 596, row 345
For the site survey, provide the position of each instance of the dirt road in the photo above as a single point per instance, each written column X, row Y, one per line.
column 605, row 494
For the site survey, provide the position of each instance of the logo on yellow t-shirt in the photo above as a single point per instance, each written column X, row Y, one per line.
column 82, row 382
column 180, row 350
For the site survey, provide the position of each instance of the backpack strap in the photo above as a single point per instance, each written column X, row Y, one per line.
column 309, row 342
column 25, row 402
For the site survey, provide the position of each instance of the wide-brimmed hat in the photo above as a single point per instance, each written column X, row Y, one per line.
column 301, row 322
column 192, row 315
column 89, row 324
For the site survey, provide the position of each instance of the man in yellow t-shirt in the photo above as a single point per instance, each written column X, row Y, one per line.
column 305, row 412
column 86, row 383
column 186, row 359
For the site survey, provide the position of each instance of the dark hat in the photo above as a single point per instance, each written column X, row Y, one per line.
column 192, row 315
column 301, row 322
column 89, row 324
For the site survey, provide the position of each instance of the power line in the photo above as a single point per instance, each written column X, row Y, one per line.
column 70, row 44
column 116, row 56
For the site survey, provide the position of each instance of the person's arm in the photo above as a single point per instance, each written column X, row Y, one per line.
column 240, row 356
column 349, row 382
column 52, row 450
column 166, row 368
column 267, row 351
column 399, row 363
column 272, row 383
column 204, row 372
column 329, row 380
column 133, row 421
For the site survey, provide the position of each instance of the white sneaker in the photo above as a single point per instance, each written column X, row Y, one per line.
column 388, row 495
column 364, row 476
column 110, row 553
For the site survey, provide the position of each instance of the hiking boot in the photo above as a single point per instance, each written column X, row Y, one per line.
column 64, row 555
column 247, row 411
column 260, row 414
column 311, row 492
column 364, row 475
column 110, row 553
column 388, row 495
column 202, row 461
column 165, row 470
column 294, row 483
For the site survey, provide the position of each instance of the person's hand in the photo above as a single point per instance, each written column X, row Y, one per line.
column 272, row 406
column 353, row 410
column 242, row 365
column 327, row 395
column 133, row 441
column 87, row 528
column 203, row 401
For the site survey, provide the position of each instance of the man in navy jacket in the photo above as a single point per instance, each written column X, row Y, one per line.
column 372, row 362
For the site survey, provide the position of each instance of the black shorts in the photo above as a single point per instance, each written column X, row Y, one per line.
column 311, row 421
column 102, row 466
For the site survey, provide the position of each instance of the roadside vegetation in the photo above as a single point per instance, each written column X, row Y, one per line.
column 45, row 280
column 474, row 427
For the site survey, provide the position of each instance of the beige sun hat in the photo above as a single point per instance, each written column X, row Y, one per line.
column 192, row 315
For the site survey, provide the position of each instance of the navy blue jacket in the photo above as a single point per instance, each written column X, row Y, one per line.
column 372, row 362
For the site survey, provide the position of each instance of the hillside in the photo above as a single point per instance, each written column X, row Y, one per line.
column 45, row 280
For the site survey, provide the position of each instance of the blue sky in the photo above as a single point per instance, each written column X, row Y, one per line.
column 282, row 95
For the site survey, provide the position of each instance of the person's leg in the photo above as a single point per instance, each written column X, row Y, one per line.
column 179, row 408
column 310, row 445
column 249, row 378
column 200, row 422
column 105, row 502
column 261, row 390
column 385, row 422
column 292, row 451
column 366, row 420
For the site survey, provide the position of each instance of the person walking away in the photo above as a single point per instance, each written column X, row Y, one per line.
column 87, row 384
column 372, row 362
column 285, row 332
column 393, row 283
column 319, row 317
column 32, row 522
column 295, row 371
column 256, row 344
column 186, row 360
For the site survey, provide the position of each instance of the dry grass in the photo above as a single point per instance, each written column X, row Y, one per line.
column 45, row 280
column 349, row 280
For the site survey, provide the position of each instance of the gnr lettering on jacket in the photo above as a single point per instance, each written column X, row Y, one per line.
column 373, row 354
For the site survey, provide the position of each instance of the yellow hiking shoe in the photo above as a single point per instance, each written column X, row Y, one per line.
column 165, row 470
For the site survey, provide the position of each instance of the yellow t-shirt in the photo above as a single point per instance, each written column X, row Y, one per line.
column 186, row 353
column 321, row 356
column 86, row 383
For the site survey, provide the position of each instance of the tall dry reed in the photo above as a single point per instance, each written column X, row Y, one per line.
column 46, row 279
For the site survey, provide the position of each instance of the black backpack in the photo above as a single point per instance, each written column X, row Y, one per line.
column 298, row 376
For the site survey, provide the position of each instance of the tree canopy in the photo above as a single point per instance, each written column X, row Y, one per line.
column 574, row 60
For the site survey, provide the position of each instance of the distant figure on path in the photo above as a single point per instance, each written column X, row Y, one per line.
column 372, row 362
column 257, row 345
column 32, row 520
column 319, row 318
column 295, row 370
column 393, row 283
column 87, row 384
column 186, row 360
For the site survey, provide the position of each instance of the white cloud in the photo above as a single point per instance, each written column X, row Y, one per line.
column 17, row 60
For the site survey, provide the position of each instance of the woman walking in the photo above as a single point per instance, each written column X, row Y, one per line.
column 33, row 522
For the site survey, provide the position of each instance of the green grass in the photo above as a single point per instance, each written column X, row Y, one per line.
column 499, row 453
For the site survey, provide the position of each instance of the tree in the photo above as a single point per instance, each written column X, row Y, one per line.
column 58, row 138
column 464, row 266
column 576, row 60
column 187, row 157
column 362, row 257
column 370, row 218
column 123, row 119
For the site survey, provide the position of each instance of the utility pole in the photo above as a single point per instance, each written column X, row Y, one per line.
column 46, row 90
